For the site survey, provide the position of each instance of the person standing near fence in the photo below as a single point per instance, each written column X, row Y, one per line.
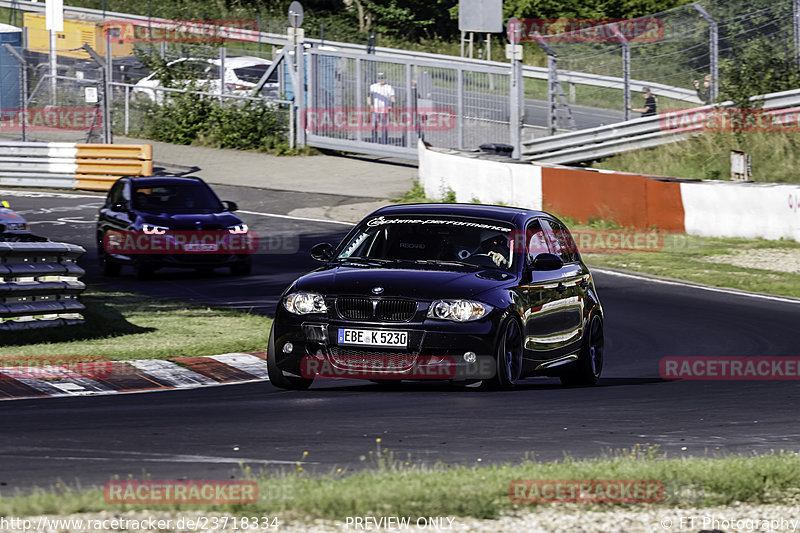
column 649, row 108
column 704, row 93
column 380, row 100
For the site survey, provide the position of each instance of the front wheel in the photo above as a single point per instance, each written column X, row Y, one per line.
column 587, row 369
column 508, row 356
column 276, row 377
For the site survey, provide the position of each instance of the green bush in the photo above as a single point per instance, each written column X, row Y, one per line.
column 186, row 118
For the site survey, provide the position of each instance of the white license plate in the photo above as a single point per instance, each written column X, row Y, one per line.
column 371, row 337
column 200, row 247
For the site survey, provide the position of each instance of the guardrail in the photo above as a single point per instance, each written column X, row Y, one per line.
column 647, row 132
column 72, row 165
column 278, row 39
column 39, row 285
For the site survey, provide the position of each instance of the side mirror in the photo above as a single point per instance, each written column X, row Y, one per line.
column 322, row 251
column 547, row 262
column 230, row 205
column 119, row 207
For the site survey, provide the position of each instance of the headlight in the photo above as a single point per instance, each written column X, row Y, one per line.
column 458, row 310
column 151, row 229
column 303, row 303
column 241, row 228
column 17, row 226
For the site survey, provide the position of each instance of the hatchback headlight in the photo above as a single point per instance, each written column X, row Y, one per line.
column 458, row 310
column 17, row 226
column 304, row 303
column 152, row 229
column 238, row 229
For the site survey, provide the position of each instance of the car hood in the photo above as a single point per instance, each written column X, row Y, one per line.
column 188, row 220
column 401, row 282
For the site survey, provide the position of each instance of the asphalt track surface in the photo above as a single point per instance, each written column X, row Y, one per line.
column 205, row 433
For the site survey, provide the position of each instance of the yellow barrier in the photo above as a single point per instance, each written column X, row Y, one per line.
column 100, row 165
column 95, row 183
column 114, row 151
column 116, row 167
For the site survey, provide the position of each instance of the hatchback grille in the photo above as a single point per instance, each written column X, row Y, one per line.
column 389, row 310
column 368, row 359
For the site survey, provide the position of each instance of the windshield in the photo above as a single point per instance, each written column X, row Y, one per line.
column 253, row 73
column 183, row 197
column 437, row 239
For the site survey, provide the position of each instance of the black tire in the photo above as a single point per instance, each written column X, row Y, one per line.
column 587, row 369
column 243, row 268
column 276, row 377
column 107, row 265
column 143, row 270
column 508, row 356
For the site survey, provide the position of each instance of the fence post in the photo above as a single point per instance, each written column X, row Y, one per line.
column 108, row 95
column 222, row 55
column 410, row 104
column 106, row 92
column 515, row 84
column 552, row 82
column 299, row 91
column 626, row 70
column 360, row 97
column 460, row 108
column 796, row 26
column 713, row 48
column 127, row 107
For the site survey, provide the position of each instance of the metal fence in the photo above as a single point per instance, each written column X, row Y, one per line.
column 450, row 102
column 673, row 48
column 449, row 106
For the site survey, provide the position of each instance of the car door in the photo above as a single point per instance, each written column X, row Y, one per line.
column 573, row 280
column 543, row 323
column 115, row 215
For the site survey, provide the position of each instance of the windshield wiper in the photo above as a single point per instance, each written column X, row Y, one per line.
column 444, row 262
column 374, row 261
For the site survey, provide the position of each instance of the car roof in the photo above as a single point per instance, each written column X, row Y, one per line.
column 242, row 61
column 513, row 215
column 162, row 180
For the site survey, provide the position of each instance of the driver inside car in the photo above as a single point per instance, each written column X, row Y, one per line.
column 496, row 248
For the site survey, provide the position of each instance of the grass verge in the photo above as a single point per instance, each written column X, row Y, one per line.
column 775, row 157
column 746, row 264
column 131, row 326
column 393, row 487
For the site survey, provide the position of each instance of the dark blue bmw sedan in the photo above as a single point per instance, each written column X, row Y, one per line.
column 155, row 222
column 468, row 293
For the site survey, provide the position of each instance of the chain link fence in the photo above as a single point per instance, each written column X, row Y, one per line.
column 667, row 52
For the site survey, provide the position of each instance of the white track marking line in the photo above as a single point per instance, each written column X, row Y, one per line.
column 170, row 373
column 245, row 362
column 693, row 286
column 290, row 217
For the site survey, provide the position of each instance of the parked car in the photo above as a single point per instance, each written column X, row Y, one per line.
column 416, row 286
column 241, row 75
column 155, row 222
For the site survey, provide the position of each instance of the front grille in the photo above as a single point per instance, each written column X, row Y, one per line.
column 197, row 227
column 354, row 308
column 195, row 259
column 369, row 359
column 389, row 310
